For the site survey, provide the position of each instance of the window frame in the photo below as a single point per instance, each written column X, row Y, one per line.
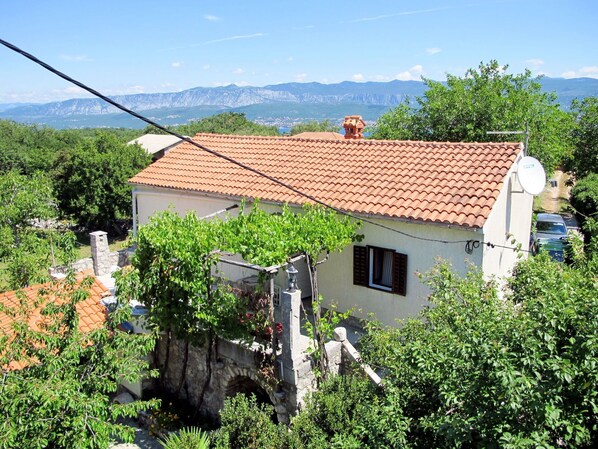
column 363, row 271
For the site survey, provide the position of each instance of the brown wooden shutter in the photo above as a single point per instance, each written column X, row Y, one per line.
column 360, row 265
column 399, row 274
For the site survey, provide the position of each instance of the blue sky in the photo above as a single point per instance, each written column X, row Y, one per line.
column 130, row 46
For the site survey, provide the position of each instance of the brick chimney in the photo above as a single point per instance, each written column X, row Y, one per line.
column 353, row 125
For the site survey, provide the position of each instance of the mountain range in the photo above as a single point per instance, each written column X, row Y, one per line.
column 282, row 104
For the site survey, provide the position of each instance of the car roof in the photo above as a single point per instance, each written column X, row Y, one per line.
column 551, row 217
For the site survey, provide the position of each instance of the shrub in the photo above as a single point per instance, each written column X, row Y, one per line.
column 248, row 425
column 187, row 438
column 478, row 371
column 350, row 412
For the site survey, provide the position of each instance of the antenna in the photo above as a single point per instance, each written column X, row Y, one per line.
column 526, row 133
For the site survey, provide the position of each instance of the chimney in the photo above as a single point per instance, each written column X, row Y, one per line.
column 353, row 125
column 100, row 252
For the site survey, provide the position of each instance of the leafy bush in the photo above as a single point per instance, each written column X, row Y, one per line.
column 349, row 412
column 187, row 438
column 584, row 196
column 248, row 425
column 478, row 371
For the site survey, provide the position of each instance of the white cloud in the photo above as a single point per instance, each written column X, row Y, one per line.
column 535, row 62
column 413, row 74
column 211, row 18
column 234, row 38
column 587, row 72
column 433, row 50
column 176, row 64
column 290, row 59
column 404, row 13
column 206, row 67
column 381, row 78
column 76, row 58
column 128, row 90
column 301, row 77
column 357, row 77
column 238, row 71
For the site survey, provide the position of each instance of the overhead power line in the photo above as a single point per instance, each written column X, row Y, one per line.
column 469, row 243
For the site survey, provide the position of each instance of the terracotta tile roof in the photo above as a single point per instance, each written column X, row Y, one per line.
column 451, row 183
column 319, row 135
column 92, row 314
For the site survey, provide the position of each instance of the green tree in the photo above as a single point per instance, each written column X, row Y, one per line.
column 314, row 126
column 486, row 99
column 479, row 371
column 92, row 181
column 31, row 148
column 30, row 240
column 173, row 277
column 585, row 137
column 61, row 399
column 227, row 123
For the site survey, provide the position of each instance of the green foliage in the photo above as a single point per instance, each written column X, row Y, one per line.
column 93, row 180
column 30, row 148
column 227, row 123
column 187, row 438
column 397, row 124
column 172, row 276
column 270, row 239
column 486, row 99
column 62, row 398
column 478, row 371
column 27, row 244
column 584, row 160
column 314, row 126
column 248, row 425
column 350, row 412
column 267, row 239
column 584, row 196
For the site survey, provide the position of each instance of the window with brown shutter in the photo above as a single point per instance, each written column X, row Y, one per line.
column 380, row 268
column 360, row 265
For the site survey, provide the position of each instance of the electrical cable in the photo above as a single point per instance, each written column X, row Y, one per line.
column 229, row 159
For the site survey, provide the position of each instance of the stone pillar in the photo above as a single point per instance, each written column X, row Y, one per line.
column 292, row 348
column 100, row 252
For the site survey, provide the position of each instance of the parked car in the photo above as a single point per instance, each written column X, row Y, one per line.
column 550, row 235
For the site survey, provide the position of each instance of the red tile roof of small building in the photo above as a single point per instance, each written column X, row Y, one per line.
column 322, row 135
column 92, row 314
column 440, row 182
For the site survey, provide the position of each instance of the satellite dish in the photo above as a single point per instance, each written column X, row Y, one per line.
column 531, row 175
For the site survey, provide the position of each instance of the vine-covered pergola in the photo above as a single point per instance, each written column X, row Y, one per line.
column 175, row 270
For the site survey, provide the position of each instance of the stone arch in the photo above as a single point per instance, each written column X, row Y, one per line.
column 247, row 386
column 244, row 380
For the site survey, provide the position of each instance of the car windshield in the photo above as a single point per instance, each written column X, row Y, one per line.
column 550, row 227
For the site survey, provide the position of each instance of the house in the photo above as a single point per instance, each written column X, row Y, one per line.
column 422, row 200
column 319, row 135
column 92, row 313
column 156, row 145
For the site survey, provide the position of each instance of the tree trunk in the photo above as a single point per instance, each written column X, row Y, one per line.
column 166, row 356
column 184, row 369
column 317, row 312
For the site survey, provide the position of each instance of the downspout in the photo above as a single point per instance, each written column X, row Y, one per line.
column 134, row 199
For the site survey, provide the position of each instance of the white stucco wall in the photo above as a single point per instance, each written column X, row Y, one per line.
column 510, row 219
column 336, row 276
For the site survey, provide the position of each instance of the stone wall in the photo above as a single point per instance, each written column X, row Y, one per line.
column 235, row 368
